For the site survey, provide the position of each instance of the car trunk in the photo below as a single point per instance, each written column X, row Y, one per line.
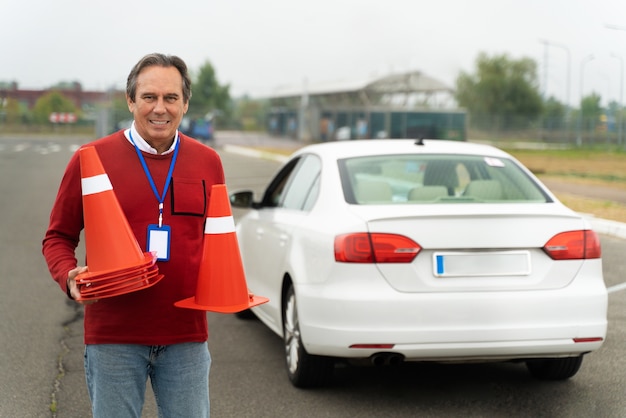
column 476, row 247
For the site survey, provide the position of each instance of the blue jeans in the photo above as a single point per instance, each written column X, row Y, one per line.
column 117, row 375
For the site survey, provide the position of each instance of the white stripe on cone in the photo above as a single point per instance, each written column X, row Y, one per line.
column 219, row 225
column 96, row 184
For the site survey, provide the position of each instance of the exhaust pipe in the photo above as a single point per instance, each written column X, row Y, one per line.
column 378, row 359
column 386, row 359
column 395, row 359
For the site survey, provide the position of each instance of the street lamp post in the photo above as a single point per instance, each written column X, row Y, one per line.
column 568, row 78
column 622, row 28
column 579, row 139
column 621, row 97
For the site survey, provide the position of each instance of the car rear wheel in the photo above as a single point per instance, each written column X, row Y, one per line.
column 554, row 368
column 304, row 370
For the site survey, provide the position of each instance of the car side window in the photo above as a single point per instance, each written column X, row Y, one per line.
column 312, row 196
column 274, row 193
column 302, row 191
column 296, row 184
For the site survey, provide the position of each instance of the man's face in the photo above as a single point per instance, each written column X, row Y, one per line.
column 159, row 105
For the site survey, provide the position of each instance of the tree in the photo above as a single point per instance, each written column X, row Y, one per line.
column 208, row 96
column 50, row 102
column 12, row 111
column 121, row 116
column 553, row 114
column 250, row 114
column 591, row 109
column 614, row 108
column 67, row 85
column 617, row 115
column 502, row 88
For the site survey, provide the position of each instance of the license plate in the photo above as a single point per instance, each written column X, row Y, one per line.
column 496, row 263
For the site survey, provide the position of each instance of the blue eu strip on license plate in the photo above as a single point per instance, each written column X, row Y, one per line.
column 482, row 263
column 439, row 259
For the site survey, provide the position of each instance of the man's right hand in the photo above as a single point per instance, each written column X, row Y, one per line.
column 73, row 287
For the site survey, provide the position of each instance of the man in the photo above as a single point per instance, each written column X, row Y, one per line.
column 141, row 335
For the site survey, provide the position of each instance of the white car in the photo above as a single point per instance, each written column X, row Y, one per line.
column 402, row 250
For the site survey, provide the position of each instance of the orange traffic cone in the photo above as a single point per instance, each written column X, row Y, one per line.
column 109, row 240
column 221, row 281
column 112, row 249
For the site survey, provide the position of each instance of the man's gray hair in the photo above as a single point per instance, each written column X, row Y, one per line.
column 161, row 60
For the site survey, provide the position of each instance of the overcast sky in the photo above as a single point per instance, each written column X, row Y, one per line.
column 258, row 45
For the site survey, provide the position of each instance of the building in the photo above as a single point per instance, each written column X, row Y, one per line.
column 83, row 99
column 405, row 105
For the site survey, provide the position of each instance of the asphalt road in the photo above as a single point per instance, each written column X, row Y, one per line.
column 41, row 334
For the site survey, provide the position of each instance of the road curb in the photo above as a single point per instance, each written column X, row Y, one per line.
column 607, row 227
column 256, row 153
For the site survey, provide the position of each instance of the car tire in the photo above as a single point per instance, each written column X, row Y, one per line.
column 554, row 368
column 304, row 370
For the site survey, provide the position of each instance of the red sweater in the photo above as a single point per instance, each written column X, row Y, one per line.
column 147, row 316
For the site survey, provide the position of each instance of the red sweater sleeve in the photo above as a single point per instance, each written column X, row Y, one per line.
column 66, row 223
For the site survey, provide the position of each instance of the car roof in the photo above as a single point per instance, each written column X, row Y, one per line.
column 367, row 147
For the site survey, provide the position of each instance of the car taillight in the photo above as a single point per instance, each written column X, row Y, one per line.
column 574, row 245
column 364, row 247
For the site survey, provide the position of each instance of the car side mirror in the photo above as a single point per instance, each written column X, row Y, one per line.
column 243, row 199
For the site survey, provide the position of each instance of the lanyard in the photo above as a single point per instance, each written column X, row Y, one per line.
column 168, row 179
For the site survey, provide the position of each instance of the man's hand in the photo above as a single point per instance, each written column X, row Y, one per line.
column 73, row 287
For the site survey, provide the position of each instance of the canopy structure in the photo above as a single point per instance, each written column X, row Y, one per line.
column 409, row 89
column 402, row 105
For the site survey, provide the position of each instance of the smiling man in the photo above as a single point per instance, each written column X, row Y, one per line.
column 162, row 180
column 158, row 97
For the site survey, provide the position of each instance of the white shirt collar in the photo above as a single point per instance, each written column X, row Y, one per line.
column 143, row 145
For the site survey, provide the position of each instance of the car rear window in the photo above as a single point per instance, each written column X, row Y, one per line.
column 429, row 179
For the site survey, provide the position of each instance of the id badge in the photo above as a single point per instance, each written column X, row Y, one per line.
column 159, row 241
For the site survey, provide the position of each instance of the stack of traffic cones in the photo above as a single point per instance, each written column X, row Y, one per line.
column 115, row 260
column 221, row 281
